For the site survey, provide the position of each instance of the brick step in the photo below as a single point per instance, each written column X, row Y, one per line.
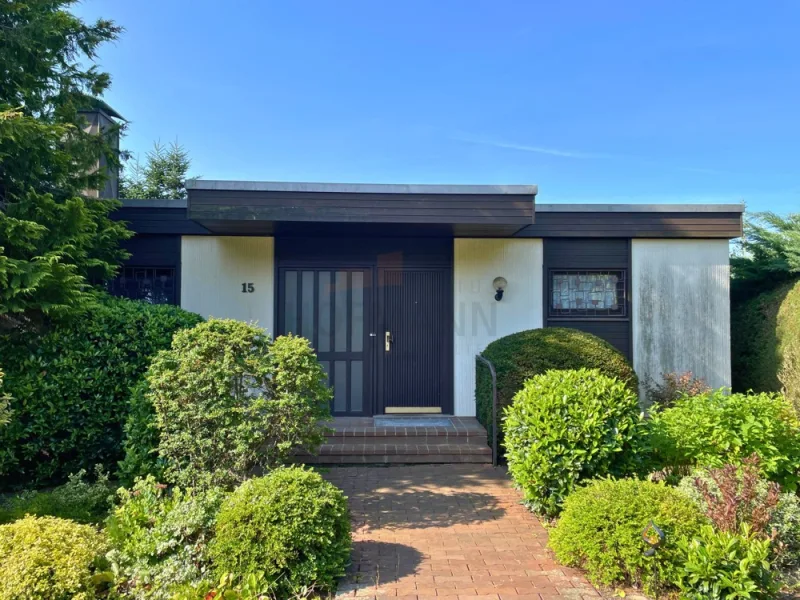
column 478, row 440
column 348, row 452
column 401, row 432
column 394, row 459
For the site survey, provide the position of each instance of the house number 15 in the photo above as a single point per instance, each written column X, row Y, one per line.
column 248, row 288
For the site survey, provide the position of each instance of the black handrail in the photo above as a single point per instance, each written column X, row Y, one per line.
column 494, row 406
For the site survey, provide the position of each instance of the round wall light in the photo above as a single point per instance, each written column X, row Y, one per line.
column 499, row 284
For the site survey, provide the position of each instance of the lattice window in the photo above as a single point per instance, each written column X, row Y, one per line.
column 155, row 285
column 588, row 293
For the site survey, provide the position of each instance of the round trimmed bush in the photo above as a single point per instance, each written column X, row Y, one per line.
column 229, row 399
column 70, row 387
column 520, row 356
column 717, row 428
column 565, row 426
column 602, row 525
column 291, row 525
column 50, row 559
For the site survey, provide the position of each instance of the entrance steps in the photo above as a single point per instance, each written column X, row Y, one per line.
column 403, row 440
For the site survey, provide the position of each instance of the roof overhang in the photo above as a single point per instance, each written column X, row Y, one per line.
column 250, row 207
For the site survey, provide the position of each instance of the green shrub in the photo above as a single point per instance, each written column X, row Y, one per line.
column 51, row 559
column 520, row 356
column 713, row 429
column 229, row 399
column 77, row 500
column 565, row 426
column 784, row 520
column 140, row 442
column 291, row 525
column 602, row 525
column 160, row 538
column 765, row 342
column 70, row 387
column 720, row 565
column 5, row 404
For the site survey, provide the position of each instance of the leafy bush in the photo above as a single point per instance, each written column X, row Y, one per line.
column 765, row 342
column 565, row 426
column 70, row 387
column 140, row 442
column 672, row 387
column 733, row 497
column 160, row 538
column 78, row 500
column 5, row 402
column 291, row 525
column 229, row 399
column 601, row 530
column 51, row 559
column 713, row 429
column 720, row 565
column 520, row 356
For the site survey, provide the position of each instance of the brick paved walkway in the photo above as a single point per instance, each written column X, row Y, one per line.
column 426, row 531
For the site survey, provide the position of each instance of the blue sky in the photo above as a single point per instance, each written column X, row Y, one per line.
column 619, row 101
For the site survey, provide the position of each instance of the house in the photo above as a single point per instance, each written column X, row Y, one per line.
column 398, row 287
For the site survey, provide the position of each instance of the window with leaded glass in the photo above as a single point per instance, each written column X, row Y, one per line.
column 587, row 293
column 155, row 285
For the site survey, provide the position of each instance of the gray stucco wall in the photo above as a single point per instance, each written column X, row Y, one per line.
column 681, row 309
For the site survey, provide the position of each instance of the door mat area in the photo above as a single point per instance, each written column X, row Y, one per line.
column 412, row 422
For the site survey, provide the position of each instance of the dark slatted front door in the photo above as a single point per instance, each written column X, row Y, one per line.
column 415, row 339
column 331, row 308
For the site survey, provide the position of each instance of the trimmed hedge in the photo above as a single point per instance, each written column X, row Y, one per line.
column 70, row 387
column 522, row 355
column 602, row 525
column 765, row 340
column 567, row 426
column 292, row 526
column 51, row 559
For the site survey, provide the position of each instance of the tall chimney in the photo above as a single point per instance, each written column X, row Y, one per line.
column 100, row 119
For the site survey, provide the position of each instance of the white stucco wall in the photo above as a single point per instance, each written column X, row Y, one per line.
column 681, row 309
column 213, row 269
column 479, row 318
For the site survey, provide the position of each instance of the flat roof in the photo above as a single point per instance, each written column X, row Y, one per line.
column 359, row 188
column 628, row 208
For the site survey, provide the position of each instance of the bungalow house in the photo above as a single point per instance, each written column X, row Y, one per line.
column 398, row 287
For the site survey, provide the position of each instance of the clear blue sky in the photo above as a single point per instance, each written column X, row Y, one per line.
column 619, row 101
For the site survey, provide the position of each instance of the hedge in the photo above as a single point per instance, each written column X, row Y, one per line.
column 765, row 341
column 522, row 355
column 70, row 385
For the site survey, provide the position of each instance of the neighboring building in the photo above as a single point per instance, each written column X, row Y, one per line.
column 395, row 284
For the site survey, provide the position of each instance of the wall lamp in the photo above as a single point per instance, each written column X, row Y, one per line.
column 499, row 284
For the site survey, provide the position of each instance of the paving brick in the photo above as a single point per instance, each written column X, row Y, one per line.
column 430, row 531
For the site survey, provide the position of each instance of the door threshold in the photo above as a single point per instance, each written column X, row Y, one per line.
column 412, row 410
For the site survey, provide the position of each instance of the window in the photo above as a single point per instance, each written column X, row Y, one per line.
column 590, row 293
column 155, row 285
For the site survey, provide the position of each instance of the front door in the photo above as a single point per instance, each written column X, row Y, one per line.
column 345, row 294
column 332, row 308
column 416, row 342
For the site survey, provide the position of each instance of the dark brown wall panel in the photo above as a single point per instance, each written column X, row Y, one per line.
column 590, row 254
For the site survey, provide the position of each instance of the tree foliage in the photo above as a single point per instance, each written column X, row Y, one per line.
column 768, row 253
column 54, row 240
column 163, row 175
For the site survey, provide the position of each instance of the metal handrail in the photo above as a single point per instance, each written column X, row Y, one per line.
column 494, row 406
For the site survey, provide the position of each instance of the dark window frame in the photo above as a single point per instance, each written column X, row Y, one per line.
column 120, row 286
column 623, row 297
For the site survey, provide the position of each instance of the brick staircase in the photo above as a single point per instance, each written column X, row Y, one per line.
column 403, row 440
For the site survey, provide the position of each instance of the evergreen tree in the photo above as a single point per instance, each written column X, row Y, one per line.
column 54, row 240
column 768, row 254
column 163, row 176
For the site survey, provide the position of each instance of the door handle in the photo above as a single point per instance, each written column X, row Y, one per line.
column 388, row 341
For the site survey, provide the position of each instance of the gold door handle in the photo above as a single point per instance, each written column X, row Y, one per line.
column 388, row 341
